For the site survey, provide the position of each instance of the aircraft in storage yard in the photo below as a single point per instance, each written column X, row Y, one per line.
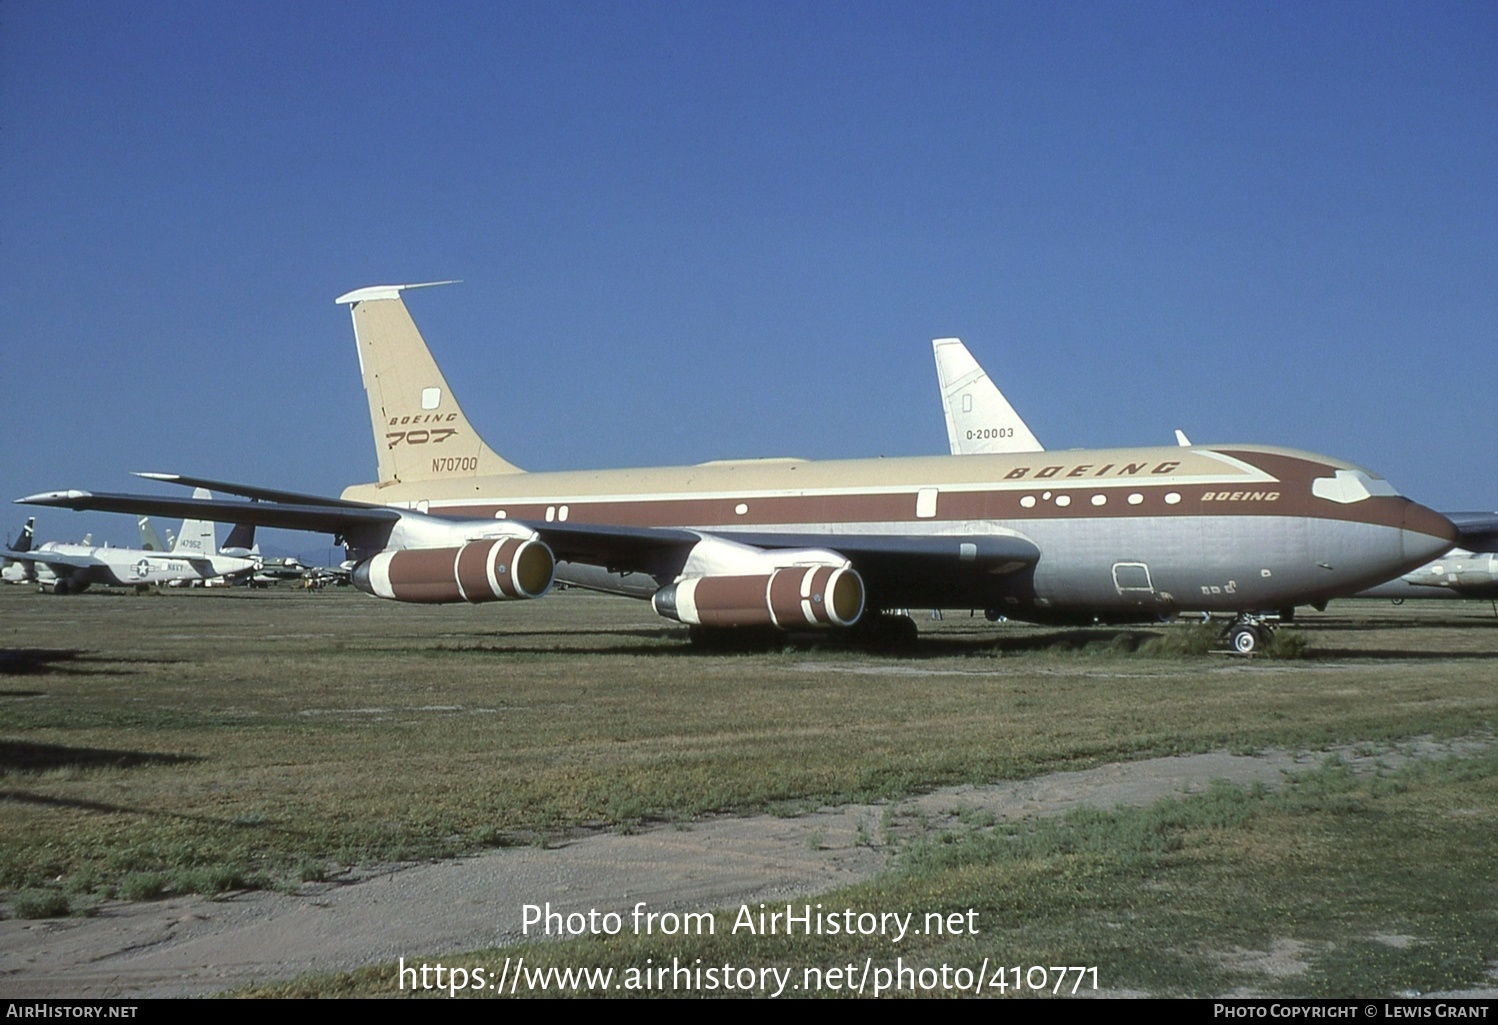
column 195, row 557
column 1110, row 535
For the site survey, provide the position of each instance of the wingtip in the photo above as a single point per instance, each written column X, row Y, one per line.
column 52, row 497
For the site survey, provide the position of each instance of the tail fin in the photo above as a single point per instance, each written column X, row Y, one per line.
column 28, row 534
column 241, row 539
column 149, row 539
column 979, row 418
column 420, row 432
column 197, row 537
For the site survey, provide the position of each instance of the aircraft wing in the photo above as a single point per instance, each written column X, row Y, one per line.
column 56, row 559
column 1479, row 530
column 254, row 493
column 878, row 556
column 328, row 516
column 885, row 555
column 627, row 548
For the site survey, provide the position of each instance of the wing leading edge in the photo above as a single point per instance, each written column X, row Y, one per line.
column 324, row 515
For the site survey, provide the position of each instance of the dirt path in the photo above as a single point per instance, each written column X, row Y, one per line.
column 194, row 945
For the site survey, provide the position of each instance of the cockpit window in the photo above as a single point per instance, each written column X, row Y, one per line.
column 1350, row 486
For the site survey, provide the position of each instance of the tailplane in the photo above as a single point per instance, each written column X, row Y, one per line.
column 420, row 432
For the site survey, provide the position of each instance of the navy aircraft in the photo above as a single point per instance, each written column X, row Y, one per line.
column 1080, row 536
column 62, row 568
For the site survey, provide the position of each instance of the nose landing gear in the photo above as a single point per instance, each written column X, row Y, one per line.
column 1249, row 634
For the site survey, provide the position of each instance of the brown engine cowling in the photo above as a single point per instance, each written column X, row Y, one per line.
column 795, row 598
column 491, row 570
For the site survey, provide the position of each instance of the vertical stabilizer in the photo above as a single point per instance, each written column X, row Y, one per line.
column 241, row 539
column 419, row 430
column 150, row 541
column 197, row 537
column 27, row 538
column 979, row 418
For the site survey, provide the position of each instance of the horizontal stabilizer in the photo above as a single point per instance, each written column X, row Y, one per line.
column 1479, row 530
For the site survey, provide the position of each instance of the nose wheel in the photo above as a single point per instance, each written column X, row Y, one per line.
column 1249, row 635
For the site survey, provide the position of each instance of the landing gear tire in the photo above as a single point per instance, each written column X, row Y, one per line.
column 1245, row 639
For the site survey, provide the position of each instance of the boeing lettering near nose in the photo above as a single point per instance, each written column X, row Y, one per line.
column 1075, row 536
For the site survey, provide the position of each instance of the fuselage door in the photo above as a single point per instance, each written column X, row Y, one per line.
column 1133, row 580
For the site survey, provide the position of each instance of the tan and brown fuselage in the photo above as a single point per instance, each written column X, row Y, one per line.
column 1121, row 532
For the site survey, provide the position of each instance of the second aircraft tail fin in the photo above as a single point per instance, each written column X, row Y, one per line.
column 979, row 418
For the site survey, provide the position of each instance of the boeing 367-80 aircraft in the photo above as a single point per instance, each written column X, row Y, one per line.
column 1076, row 536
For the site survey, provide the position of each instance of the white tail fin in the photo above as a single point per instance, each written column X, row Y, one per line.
column 979, row 418
column 419, row 430
column 197, row 537
column 149, row 540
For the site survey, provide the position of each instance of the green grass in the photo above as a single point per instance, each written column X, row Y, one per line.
column 1336, row 885
column 216, row 741
column 40, row 904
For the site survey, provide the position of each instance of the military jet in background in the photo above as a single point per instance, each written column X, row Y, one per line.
column 63, row 568
column 1457, row 574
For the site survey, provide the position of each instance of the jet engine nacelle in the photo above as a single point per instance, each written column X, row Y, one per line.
column 490, row 570
column 794, row 598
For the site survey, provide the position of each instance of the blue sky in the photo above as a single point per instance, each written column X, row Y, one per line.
column 690, row 231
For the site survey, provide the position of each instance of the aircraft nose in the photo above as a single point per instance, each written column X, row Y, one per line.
column 1427, row 534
